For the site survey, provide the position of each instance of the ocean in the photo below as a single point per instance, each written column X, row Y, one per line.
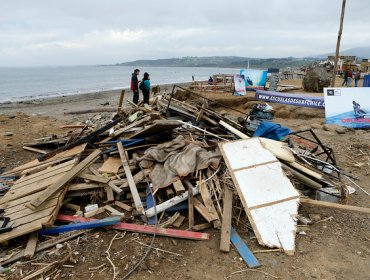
column 19, row 84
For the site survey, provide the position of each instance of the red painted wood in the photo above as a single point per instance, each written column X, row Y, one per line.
column 142, row 228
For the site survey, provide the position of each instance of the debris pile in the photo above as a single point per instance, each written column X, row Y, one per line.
column 169, row 169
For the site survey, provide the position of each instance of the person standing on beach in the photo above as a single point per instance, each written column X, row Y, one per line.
column 349, row 78
column 146, row 88
column 345, row 78
column 135, row 85
column 357, row 77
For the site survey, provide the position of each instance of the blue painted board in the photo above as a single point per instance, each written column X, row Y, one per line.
column 85, row 225
column 150, row 204
column 243, row 250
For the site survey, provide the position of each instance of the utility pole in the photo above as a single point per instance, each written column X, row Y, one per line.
column 338, row 44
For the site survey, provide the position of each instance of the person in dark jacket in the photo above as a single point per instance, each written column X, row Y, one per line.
column 345, row 78
column 135, row 85
column 146, row 89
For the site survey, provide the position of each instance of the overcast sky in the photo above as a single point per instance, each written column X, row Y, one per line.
column 80, row 32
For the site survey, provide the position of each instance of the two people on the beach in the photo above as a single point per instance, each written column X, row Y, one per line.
column 143, row 85
column 347, row 78
column 349, row 75
column 357, row 108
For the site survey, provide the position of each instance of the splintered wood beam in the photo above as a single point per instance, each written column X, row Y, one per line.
column 35, row 203
column 335, row 205
column 226, row 220
column 143, row 229
column 135, row 194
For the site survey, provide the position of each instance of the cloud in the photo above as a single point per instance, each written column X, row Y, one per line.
column 91, row 32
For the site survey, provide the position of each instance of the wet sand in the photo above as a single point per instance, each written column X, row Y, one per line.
column 58, row 107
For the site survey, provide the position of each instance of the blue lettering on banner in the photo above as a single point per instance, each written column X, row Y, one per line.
column 291, row 99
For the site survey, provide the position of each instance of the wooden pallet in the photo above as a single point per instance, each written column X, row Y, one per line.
column 23, row 219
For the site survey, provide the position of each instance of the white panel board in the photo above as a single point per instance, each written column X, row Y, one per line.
column 269, row 198
column 264, row 184
column 243, row 153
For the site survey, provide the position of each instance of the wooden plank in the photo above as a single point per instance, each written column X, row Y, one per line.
column 115, row 188
column 149, row 204
column 35, row 164
column 73, row 207
column 156, row 127
column 338, row 206
column 122, row 205
column 23, row 229
column 81, row 187
column 45, row 173
column 8, row 205
column 34, row 188
column 207, row 200
column 144, row 229
column 138, row 177
column 31, row 245
column 110, row 194
column 11, row 211
column 94, row 212
column 94, row 178
column 120, row 102
column 20, row 218
column 33, row 150
column 179, row 187
column 202, row 210
column 113, row 211
column 226, row 220
column 68, row 126
column 134, row 124
column 111, row 165
column 178, row 222
column 82, row 225
column 65, row 179
column 70, row 152
column 201, row 227
column 190, row 206
column 138, row 205
column 243, row 250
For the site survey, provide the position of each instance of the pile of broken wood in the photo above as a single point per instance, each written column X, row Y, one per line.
column 170, row 169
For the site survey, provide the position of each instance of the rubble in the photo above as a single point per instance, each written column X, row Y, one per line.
column 172, row 169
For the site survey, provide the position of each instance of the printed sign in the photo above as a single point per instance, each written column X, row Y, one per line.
column 239, row 85
column 254, row 79
column 291, row 99
column 347, row 107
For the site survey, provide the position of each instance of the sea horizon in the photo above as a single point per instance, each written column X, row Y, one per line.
column 38, row 82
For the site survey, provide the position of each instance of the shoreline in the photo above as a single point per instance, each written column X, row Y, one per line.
column 26, row 99
column 57, row 106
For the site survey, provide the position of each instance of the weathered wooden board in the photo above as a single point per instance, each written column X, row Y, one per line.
column 111, row 165
column 23, row 219
column 269, row 198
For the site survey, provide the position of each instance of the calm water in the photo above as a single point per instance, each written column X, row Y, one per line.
column 39, row 82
